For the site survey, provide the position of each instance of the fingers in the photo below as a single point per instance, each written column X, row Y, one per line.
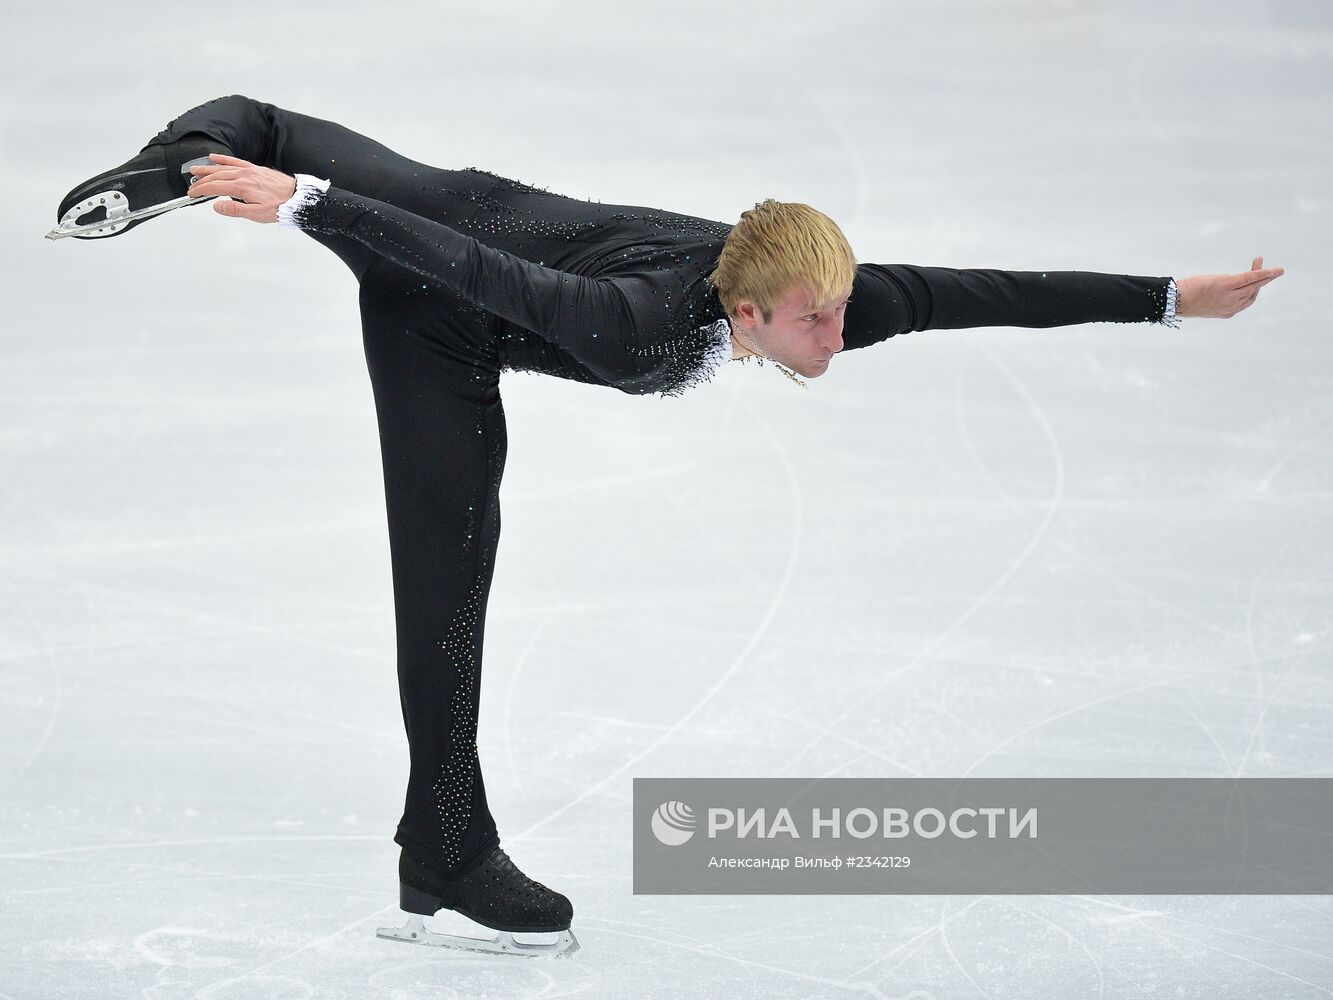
column 223, row 181
column 207, row 180
column 1241, row 298
column 208, row 169
column 1255, row 279
column 231, row 160
column 225, row 166
column 205, row 186
column 1258, row 276
column 1224, row 295
column 240, row 210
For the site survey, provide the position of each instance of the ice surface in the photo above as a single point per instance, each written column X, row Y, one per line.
column 1100, row 551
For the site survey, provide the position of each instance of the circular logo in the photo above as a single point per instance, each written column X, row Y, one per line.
column 673, row 823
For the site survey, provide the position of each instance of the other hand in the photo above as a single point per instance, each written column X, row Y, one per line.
column 1221, row 296
column 256, row 191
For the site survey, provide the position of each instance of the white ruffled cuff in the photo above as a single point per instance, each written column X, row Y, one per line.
column 1169, row 317
column 309, row 189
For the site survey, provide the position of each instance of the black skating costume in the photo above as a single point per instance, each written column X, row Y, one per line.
column 464, row 274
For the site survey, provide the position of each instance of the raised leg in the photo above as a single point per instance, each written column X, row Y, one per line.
column 284, row 140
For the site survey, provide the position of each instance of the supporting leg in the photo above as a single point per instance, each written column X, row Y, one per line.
column 435, row 375
column 443, row 444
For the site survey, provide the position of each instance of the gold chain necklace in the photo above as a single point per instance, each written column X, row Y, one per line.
column 760, row 358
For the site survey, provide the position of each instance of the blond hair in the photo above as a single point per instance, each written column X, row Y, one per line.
column 779, row 246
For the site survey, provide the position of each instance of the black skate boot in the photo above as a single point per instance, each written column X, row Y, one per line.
column 155, row 181
column 495, row 894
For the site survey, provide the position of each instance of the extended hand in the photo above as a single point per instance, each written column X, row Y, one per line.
column 1221, row 296
column 256, row 191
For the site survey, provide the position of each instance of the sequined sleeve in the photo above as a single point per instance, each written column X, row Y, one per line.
column 890, row 299
column 612, row 324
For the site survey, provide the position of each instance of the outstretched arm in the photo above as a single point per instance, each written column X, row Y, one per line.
column 890, row 299
column 598, row 319
column 887, row 299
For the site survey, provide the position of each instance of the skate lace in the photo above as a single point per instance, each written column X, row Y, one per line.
column 500, row 860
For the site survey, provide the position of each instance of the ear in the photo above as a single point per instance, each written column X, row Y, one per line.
column 747, row 314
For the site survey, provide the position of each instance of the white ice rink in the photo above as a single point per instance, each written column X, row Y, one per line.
column 1088, row 551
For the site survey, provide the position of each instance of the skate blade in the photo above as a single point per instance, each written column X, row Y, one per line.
column 118, row 214
column 415, row 932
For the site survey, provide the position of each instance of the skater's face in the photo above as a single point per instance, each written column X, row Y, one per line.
column 802, row 334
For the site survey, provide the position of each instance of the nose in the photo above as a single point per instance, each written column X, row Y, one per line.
column 833, row 342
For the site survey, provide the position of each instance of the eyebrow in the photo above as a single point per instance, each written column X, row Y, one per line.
column 815, row 309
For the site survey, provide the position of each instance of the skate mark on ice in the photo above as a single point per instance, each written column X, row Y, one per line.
column 148, row 947
column 1267, row 481
column 886, row 678
column 1152, row 598
column 710, row 949
column 853, row 158
column 948, row 949
column 187, row 876
column 16, row 597
column 558, row 611
column 469, row 975
column 1138, row 917
column 219, row 539
column 1093, row 959
column 576, row 486
column 1125, row 912
column 835, row 737
column 1248, row 961
column 969, row 445
column 1212, row 736
column 188, row 842
column 1113, row 695
column 228, row 626
column 793, row 547
column 909, row 947
column 1256, row 730
column 1169, row 939
column 1266, row 943
column 212, row 988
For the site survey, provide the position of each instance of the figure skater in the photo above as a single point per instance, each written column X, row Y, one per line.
column 464, row 274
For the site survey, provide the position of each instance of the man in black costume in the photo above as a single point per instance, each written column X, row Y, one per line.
column 464, row 274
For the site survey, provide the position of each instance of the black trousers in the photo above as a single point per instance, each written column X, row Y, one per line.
column 434, row 369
